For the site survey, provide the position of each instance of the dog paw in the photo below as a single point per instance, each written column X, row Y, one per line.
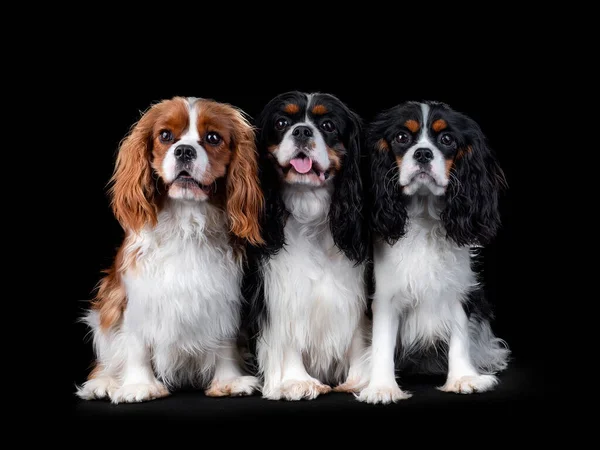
column 351, row 386
column 141, row 392
column 271, row 391
column 382, row 394
column 97, row 388
column 469, row 384
column 303, row 389
column 244, row 385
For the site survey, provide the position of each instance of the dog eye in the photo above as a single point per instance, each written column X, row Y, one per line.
column 165, row 136
column 402, row 137
column 328, row 126
column 213, row 138
column 281, row 124
column 446, row 139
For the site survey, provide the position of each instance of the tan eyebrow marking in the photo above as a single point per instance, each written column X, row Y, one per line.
column 412, row 125
column 291, row 108
column 439, row 125
column 319, row 110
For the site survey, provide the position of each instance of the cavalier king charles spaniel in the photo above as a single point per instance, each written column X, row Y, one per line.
column 434, row 187
column 309, row 288
column 167, row 313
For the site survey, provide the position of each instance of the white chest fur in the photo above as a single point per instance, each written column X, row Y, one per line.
column 425, row 274
column 183, row 293
column 315, row 295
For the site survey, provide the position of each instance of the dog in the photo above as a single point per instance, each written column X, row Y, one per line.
column 167, row 313
column 434, row 188
column 309, row 298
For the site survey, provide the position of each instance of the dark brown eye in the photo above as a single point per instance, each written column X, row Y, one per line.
column 213, row 138
column 166, row 136
column 403, row 138
column 281, row 124
column 446, row 139
column 328, row 126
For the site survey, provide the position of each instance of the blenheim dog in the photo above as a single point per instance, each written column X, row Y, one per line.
column 167, row 313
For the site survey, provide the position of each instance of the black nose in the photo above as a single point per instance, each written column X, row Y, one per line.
column 185, row 153
column 302, row 132
column 423, row 155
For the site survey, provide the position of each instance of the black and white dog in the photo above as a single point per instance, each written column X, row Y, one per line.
column 435, row 186
column 311, row 294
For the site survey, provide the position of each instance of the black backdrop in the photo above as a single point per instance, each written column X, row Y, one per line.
column 492, row 95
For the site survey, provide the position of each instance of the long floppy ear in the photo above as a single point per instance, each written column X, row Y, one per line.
column 274, row 214
column 133, row 191
column 244, row 197
column 346, row 215
column 471, row 215
column 388, row 214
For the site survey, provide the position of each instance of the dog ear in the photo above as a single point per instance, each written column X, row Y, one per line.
column 274, row 214
column 471, row 215
column 244, row 197
column 388, row 215
column 346, row 214
column 133, row 190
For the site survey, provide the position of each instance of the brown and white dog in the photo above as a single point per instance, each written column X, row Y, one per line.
column 167, row 313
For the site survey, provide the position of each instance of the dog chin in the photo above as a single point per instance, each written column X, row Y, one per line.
column 307, row 179
column 424, row 184
column 187, row 190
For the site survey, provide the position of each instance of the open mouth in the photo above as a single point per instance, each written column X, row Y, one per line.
column 303, row 165
column 185, row 180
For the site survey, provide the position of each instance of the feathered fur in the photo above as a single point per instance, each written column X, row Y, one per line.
column 434, row 190
column 308, row 286
column 167, row 313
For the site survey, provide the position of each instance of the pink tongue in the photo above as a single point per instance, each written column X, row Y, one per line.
column 302, row 165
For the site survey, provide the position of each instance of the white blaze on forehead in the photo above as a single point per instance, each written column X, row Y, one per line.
column 425, row 112
column 423, row 140
column 309, row 98
column 191, row 134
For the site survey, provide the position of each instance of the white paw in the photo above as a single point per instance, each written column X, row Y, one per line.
column 469, row 384
column 382, row 394
column 100, row 387
column 271, row 391
column 303, row 389
column 244, row 385
column 352, row 385
column 134, row 393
